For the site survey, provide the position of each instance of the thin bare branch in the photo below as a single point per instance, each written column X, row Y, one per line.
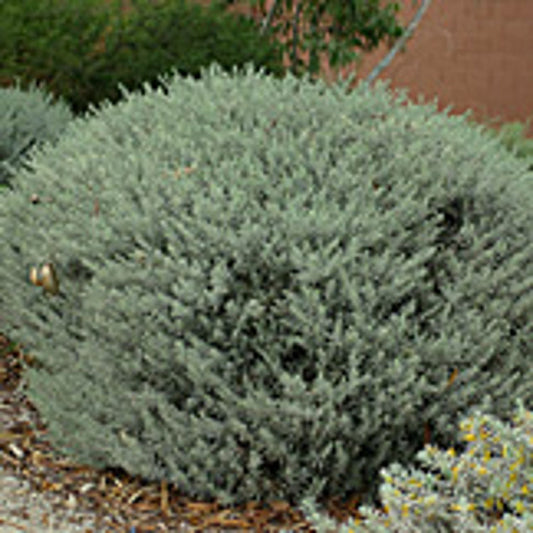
column 384, row 63
column 268, row 19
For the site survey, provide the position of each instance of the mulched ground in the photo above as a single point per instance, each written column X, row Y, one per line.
column 135, row 506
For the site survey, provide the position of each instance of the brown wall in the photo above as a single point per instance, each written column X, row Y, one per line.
column 472, row 54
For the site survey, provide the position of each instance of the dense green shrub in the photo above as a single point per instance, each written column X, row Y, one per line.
column 267, row 285
column 95, row 50
column 27, row 118
column 50, row 41
column 489, row 488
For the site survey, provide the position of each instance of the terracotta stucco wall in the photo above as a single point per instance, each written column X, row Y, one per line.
column 474, row 54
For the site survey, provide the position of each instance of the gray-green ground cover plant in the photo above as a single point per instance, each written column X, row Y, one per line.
column 27, row 118
column 488, row 488
column 266, row 285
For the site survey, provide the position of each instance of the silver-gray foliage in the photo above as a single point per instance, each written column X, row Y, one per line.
column 267, row 285
column 27, row 118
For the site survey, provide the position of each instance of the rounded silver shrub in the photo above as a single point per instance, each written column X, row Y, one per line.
column 268, row 288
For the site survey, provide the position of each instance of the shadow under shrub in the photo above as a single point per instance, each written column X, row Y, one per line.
column 268, row 287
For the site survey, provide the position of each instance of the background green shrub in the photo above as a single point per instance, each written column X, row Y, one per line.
column 83, row 49
column 267, row 284
column 49, row 41
column 27, row 118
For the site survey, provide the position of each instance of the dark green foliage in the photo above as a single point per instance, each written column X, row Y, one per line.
column 27, row 118
column 50, row 41
column 96, row 50
column 353, row 25
column 267, row 284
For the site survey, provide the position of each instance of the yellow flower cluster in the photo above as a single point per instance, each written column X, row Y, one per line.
column 488, row 488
